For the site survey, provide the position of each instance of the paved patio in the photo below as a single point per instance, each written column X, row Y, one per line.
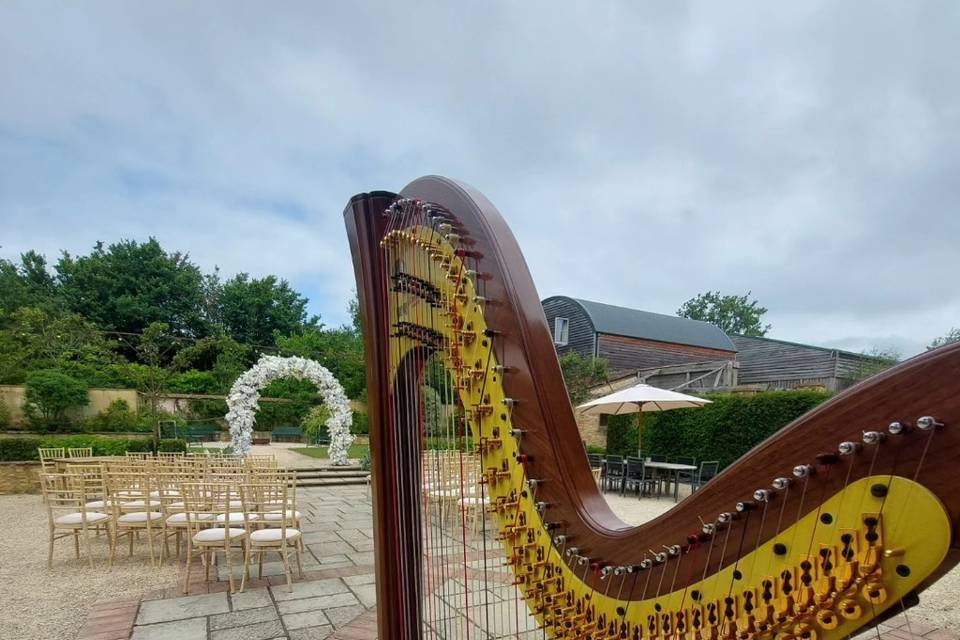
column 336, row 598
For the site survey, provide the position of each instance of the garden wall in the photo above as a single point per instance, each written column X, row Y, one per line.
column 19, row 477
column 12, row 396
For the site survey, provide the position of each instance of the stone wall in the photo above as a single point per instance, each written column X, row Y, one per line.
column 19, row 477
column 12, row 396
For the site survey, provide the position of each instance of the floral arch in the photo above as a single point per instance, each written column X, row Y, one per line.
column 242, row 403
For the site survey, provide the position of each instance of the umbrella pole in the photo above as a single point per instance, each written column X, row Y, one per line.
column 639, row 428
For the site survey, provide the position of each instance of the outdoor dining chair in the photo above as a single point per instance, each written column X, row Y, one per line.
column 706, row 471
column 612, row 473
column 685, row 477
column 635, row 477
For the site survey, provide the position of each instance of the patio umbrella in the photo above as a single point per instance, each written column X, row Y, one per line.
column 640, row 399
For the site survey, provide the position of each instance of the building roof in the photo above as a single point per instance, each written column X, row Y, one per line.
column 633, row 323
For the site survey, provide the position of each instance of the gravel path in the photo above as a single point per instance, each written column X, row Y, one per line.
column 938, row 606
column 51, row 604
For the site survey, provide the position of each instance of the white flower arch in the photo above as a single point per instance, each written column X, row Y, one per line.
column 243, row 401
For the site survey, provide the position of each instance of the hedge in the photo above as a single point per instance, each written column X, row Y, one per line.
column 23, row 449
column 172, row 446
column 724, row 430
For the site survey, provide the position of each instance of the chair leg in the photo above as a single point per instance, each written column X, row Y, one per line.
column 50, row 550
column 229, row 559
column 186, row 579
column 246, row 568
column 86, row 546
column 286, row 567
column 299, row 553
column 76, row 543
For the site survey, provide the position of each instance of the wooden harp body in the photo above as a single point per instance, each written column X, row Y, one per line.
column 489, row 524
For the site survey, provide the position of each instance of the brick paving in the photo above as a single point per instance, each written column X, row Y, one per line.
column 335, row 599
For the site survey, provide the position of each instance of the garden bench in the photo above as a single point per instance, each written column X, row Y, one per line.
column 202, row 433
column 287, row 433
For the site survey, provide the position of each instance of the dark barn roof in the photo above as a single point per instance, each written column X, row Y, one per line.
column 634, row 323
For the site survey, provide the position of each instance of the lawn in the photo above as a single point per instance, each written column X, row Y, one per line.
column 355, row 451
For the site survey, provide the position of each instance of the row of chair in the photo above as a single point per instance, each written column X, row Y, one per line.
column 221, row 504
column 631, row 473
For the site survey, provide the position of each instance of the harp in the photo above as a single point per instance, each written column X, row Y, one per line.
column 488, row 522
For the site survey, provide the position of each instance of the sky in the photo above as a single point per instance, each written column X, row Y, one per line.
column 642, row 152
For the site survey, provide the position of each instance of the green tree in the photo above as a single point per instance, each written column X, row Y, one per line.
column 28, row 284
column 951, row 336
column 129, row 285
column 581, row 373
column 254, row 311
column 733, row 314
column 48, row 394
column 155, row 351
column 37, row 338
column 875, row 361
column 314, row 424
column 340, row 350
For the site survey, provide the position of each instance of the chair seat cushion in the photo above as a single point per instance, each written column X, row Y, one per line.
column 139, row 504
column 168, row 492
column 99, row 504
column 139, row 516
column 267, row 536
column 235, row 517
column 474, row 502
column 76, row 519
column 276, row 516
column 218, row 534
column 181, row 518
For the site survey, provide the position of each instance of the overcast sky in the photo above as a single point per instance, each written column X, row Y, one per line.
column 641, row 151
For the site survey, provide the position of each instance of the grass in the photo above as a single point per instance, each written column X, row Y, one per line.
column 355, row 451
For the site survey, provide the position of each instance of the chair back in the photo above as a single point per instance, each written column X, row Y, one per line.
column 707, row 470
column 613, row 465
column 596, row 460
column 65, row 494
column 80, row 452
column 46, row 455
column 634, row 468
column 690, row 460
column 271, row 503
column 656, row 457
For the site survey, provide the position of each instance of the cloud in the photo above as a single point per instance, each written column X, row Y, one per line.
column 641, row 153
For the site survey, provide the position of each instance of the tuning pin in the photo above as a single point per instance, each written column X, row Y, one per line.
column 501, row 369
column 540, row 506
column 582, row 560
column 517, row 433
column 873, row 437
column 533, row 483
column 510, row 402
column 659, row 556
column 673, row 550
column 781, row 483
column 725, row 518
column 644, row 564
column 928, row 423
column 745, row 505
column 708, row 528
column 606, row 571
column 573, row 551
column 560, row 539
column 898, row 428
column 803, row 470
column 761, row 495
column 848, row 448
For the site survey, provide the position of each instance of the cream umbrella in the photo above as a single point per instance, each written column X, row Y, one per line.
column 640, row 399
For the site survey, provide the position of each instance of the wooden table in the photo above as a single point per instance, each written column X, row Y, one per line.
column 672, row 468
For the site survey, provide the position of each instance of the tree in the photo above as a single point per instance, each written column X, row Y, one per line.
column 155, row 352
column 254, row 311
column 875, row 360
column 48, row 394
column 952, row 336
column 314, row 424
column 128, row 285
column 582, row 373
column 28, row 284
column 733, row 314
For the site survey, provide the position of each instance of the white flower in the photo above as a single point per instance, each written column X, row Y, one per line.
column 243, row 402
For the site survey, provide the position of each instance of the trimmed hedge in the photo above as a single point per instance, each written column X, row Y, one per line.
column 724, row 430
column 172, row 446
column 25, row 449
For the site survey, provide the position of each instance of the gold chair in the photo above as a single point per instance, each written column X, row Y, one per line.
column 279, row 533
column 80, row 452
column 66, row 498
column 204, row 501
column 135, row 510
column 47, row 456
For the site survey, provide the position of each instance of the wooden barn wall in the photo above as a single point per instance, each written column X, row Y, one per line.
column 624, row 354
column 768, row 361
column 580, row 338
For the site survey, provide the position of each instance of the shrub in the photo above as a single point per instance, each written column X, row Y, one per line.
column 21, row 449
column 116, row 417
column 4, row 415
column 360, row 424
column 48, row 394
column 314, row 424
column 724, row 430
column 172, row 446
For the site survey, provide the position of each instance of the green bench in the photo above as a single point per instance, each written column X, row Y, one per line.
column 287, row 434
column 202, row 433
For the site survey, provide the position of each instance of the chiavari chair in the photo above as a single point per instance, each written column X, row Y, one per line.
column 66, row 496
column 136, row 509
column 139, row 455
column 47, row 456
column 80, row 452
column 204, row 502
column 278, row 531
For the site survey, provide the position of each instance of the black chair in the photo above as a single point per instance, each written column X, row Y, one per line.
column 635, row 477
column 612, row 473
column 686, row 477
column 656, row 457
column 596, row 460
column 706, row 471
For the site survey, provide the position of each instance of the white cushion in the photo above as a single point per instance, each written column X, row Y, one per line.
column 140, row 516
column 473, row 502
column 263, row 536
column 235, row 517
column 139, row 504
column 72, row 519
column 168, row 492
column 276, row 516
column 181, row 518
column 450, row 493
column 217, row 534
column 99, row 504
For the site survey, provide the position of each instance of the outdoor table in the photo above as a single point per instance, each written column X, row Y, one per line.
column 674, row 469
